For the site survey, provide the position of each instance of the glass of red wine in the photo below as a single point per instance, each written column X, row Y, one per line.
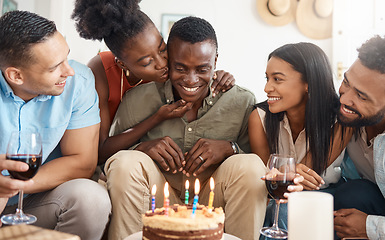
column 281, row 174
column 23, row 146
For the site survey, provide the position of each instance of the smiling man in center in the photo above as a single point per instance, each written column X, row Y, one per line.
column 210, row 140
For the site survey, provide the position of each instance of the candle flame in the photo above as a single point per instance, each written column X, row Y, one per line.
column 212, row 183
column 197, row 186
column 153, row 190
column 187, row 184
column 166, row 193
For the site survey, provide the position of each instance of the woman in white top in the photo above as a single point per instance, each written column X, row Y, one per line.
column 299, row 117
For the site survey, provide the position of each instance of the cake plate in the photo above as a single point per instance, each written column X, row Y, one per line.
column 138, row 236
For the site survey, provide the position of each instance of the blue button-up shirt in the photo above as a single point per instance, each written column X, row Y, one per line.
column 77, row 107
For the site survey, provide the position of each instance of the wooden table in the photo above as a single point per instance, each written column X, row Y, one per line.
column 138, row 236
column 29, row 232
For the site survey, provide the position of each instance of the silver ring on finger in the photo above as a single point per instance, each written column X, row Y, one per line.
column 201, row 158
column 308, row 170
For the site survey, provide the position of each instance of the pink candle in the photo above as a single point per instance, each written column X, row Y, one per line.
column 166, row 202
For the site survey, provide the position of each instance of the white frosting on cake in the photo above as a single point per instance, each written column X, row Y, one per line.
column 182, row 219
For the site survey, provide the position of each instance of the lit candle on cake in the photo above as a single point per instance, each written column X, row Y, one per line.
column 153, row 192
column 195, row 203
column 166, row 200
column 211, row 198
column 186, row 195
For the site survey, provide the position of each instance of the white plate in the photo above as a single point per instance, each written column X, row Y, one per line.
column 138, row 236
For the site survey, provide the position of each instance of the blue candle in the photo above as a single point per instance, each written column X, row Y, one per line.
column 153, row 192
column 195, row 203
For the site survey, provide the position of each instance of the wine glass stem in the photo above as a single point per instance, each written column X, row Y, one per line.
column 275, row 224
column 19, row 210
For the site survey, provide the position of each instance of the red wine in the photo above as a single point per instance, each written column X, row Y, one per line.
column 277, row 187
column 33, row 161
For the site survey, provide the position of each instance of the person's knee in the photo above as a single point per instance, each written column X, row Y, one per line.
column 84, row 208
column 354, row 194
column 89, row 198
column 124, row 160
column 247, row 164
column 248, row 168
column 124, row 165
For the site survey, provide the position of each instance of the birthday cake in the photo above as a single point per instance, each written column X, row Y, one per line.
column 181, row 224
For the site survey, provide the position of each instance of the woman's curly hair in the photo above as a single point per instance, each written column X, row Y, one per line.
column 114, row 21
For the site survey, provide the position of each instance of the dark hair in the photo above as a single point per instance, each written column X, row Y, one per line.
column 193, row 30
column 115, row 21
column 321, row 107
column 372, row 54
column 19, row 31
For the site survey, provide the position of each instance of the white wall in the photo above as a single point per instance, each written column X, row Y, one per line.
column 244, row 39
column 28, row 5
column 60, row 12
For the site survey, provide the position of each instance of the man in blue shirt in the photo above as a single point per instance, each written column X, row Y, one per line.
column 41, row 91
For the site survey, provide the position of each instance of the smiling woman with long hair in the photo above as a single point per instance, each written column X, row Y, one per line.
column 299, row 117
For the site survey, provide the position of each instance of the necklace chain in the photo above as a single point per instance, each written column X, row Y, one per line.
column 136, row 84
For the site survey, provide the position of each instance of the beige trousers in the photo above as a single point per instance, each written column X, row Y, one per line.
column 239, row 190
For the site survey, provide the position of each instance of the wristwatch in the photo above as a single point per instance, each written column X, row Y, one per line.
column 235, row 148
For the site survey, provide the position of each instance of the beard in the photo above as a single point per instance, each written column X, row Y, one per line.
column 361, row 121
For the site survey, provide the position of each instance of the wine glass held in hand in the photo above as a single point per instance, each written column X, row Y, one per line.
column 281, row 174
column 23, row 146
